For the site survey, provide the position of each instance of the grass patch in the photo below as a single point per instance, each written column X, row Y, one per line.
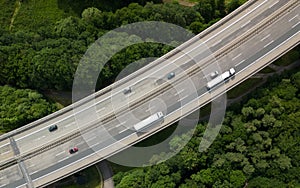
column 7, row 8
column 243, row 87
column 288, row 58
column 36, row 13
column 267, row 70
column 90, row 175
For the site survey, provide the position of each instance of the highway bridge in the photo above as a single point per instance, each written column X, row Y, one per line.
column 248, row 39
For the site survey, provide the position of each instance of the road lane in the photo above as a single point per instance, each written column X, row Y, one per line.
column 239, row 67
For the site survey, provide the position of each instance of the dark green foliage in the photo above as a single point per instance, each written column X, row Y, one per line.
column 262, row 182
column 233, row 4
column 258, row 146
column 207, row 9
column 20, row 107
column 47, row 57
column 48, row 40
column 78, row 6
column 296, row 80
column 43, row 51
column 6, row 13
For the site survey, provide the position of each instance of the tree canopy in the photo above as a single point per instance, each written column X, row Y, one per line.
column 21, row 106
column 258, row 146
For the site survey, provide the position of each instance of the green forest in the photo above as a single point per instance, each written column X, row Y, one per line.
column 258, row 146
column 22, row 106
column 42, row 42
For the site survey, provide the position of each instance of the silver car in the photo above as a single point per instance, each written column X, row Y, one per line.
column 214, row 74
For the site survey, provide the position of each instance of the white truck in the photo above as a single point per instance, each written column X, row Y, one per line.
column 223, row 77
column 151, row 120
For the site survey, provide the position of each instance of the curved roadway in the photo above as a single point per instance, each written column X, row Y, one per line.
column 250, row 40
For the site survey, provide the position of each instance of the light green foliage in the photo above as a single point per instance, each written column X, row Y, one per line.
column 204, row 177
column 35, row 14
column 237, row 178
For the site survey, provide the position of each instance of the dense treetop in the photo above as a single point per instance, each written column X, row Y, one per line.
column 258, row 146
column 21, row 106
column 43, row 54
column 42, row 42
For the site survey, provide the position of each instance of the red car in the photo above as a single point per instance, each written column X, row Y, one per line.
column 73, row 150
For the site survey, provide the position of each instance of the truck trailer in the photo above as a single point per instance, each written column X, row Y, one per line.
column 221, row 78
column 149, row 121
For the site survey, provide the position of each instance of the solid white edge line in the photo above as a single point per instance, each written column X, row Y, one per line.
column 168, row 115
column 176, row 59
column 158, row 69
column 81, row 158
column 271, row 50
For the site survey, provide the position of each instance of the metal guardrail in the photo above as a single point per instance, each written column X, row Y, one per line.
column 124, row 80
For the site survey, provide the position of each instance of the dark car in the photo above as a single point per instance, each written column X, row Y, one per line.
column 171, row 75
column 127, row 90
column 73, row 150
column 52, row 128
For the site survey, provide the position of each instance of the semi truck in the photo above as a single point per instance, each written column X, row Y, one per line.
column 221, row 78
column 149, row 121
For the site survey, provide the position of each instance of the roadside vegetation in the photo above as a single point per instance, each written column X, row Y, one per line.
column 267, row 70
column 87, row 178
column 42, row 44
column 258, row 146
column 243, row 87
column 289, row 57
column 21, row 106
column 46, row 42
